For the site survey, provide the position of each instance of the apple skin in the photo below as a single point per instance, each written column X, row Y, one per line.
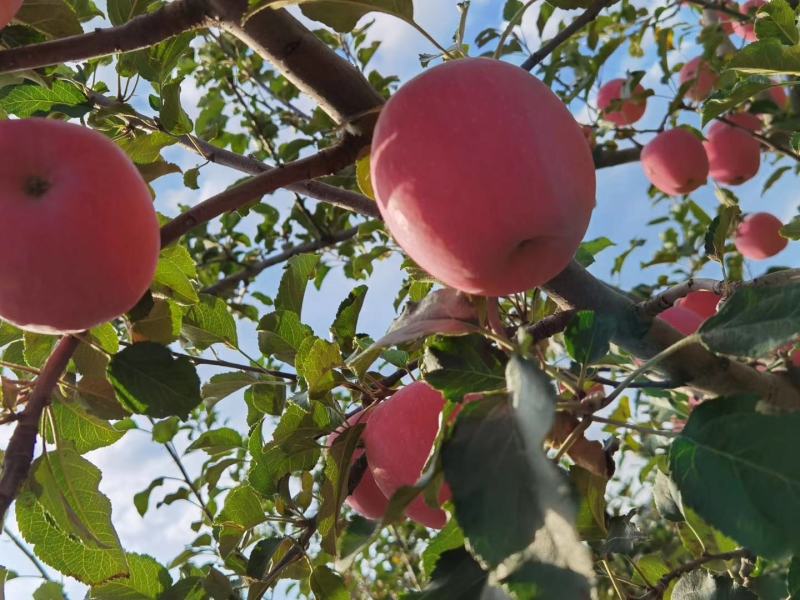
column 630, row 110
column 702, row 303
column 779, row 96
column 758, row 236
column 675, row 162
column 700, row 72
column 488, row 210
column 367, row 499
column 685, row 321
column 734, row 156
column 747, row 29
column 399, row 437
column 82, row 248
column 8, row 9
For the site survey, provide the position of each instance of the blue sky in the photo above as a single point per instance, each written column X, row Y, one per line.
column 622, row 210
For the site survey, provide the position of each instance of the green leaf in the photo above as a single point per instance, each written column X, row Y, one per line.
column 792, row 229
column 146, row 148
column 749, row 491
column 754, row 321
column 299, row 270
column 721, row 228
column 457, row 575
column 147, row 581
column 767, row 57
column 342, row 15
column 460, row 365
column 172, row 116
column 209, row 322
column 54, row 18
column 142, row 499
column 164, row 431
column 793, row 579
column 173, row 275
column 588, row 250
column 327, row 584
column 591, row 517
column 724, row 101
column 49, row 590
column 38, row 347
column 28, row 100
column 85, row 431
column 61, row 512
column 449, row 538
column 260, row 557
column 778, row 20
column 344, row 325
column 162, row 324
column 667, row 498
column 149, row 380
column 280, row 334
column 588, row 335
column 242, row 507
column 315, row 362
column 217, row 441
column 122, row 11
column 268, row 396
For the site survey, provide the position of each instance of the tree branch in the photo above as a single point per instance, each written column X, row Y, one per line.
column 325, row 162
column 612, row 158
column 252, row 271
column 19, row 453
column 661, row 302
column 575, row 288
column 140, row 32
column 27, row 552
column 664, row 582
column 562, row 36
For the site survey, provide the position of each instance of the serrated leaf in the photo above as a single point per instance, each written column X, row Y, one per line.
column 86, row 432
column 149, row 380
column 327, row 584
column 754, row 321
column 173, row 277
column 777, row 20
column 63, row 515
column 299, row 270
column 280, row 334
column 146, row 148
column 724, row 101
column 242, row 507
column 54, row 18
column 767, row 57
column 748, row 491
column 209, row 322
column 28, row 100
column 461, row 365
column 122, row 11
column 217, row 441
column 315, row 362
column 147, row 581
column 588, row 335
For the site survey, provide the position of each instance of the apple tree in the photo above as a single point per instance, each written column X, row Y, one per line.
column 525, row 428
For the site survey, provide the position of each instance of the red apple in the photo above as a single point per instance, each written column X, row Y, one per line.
column 779, row 96
column 685, row 321
column 483, row 176
column 80, row 237
column 725, row 20
column 747, row 29
column 675, row 162
column 758, row 236
column 734, row 156
column 8, row 8
column 399, row 438
column 795, row 358
column 629, row 110
column 367, row 499
column 703, row 303
column 704, row 78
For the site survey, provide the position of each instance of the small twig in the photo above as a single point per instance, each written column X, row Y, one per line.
column 664, row 582
column 19, row 453
column 661, row 302
column 27, row 552
column 551, row 325
column 612, row 158
column 177, row 460
column 292, row 555
column 584, row 19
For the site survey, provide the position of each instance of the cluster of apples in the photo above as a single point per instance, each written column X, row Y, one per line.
column 677, row 162
column 397, row 438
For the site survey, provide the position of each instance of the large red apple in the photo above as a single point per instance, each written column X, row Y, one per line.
column 483, row 176
column 685, row 321
column 628, row 110
column 80, row 237
column 399, row 437
column 675, row 162
column 8, row 8
column 758, row 236
column 734, row 156
column 702, row 76
column 367, row 499
column 702, row 302
column 747, row 29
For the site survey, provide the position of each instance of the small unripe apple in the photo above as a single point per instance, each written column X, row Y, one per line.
column 80, row 238
column 675, row 162
column 702, row 76
column 758, row 236
column 747, row 29
column 626, row 112
column 367, row 499
column 702, row 302
column 734, row 156
column 399, row 438
column 483, row 176
column 685, row 321
column 8, row 8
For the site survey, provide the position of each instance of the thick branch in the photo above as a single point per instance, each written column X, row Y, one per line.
column 337, row 86
column 612, row 158
column 562, row 36
column 575, row 288
column 252, row 271
column 325, row 162
column 140, row 32
column 19, row 453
